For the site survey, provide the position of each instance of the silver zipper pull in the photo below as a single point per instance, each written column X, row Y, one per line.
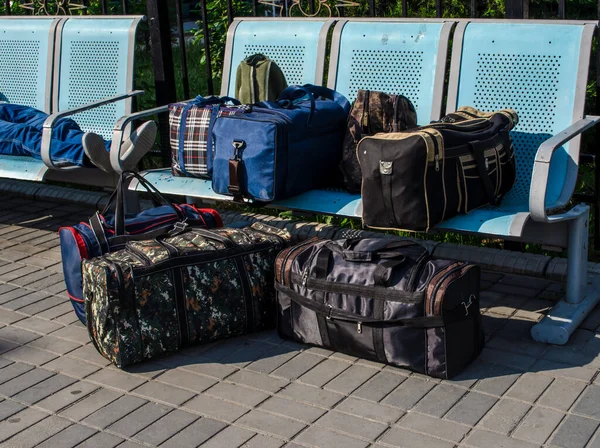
column 487, row 164
column 437, row 162
column 359, row 327
column 305, row 278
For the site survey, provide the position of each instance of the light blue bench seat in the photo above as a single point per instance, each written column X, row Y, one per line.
column 76, row 66
column 538, row 68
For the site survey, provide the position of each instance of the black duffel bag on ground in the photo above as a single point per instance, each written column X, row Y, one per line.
column 417, row 179
column 383, row 300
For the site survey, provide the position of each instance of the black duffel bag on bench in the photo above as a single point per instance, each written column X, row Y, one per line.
column 383, row 300
column 417, row 179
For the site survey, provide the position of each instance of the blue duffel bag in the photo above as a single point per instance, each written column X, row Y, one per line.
column 109, row 230
column 278, row 149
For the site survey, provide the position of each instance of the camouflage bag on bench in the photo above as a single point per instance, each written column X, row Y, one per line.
column 372, row 112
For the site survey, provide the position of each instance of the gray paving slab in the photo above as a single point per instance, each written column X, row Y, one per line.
column 43, row 389
column 166, row 427
column 440, row 400
column 258, row 381
column 292, row 409
column 311, row 395
column 271, row 424
column 471, row 408
column 213, row 407
column 409, row 393
column 101, row 439
column 436, row 427
column 237, row 394
column 139, row 419
column 263, row 441
column 90, row 404
column 8, row 408
column 404, row 438
column 230, row 437
column 18, row 335
column 71, row 367
column 351, row 425
column 574, row 432
column 13, row 370
column 27, row 380
column 195, row 434
column 164, row 393
column 114, row 411
column 56, row 345
column 529, row 387
column 504, row 416
column 67, row 396
column 379, row 386
column 323, row 438
column 487, row 439
column 116, row 379
column 538, row 425
column 39, row 432
column 30, row 355
column 369, row 410
column 19, row 422
column 351, row 379
column 562, row 393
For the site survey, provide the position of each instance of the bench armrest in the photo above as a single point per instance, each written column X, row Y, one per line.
column 541, row 170
column 51, row 120
column 119, row 130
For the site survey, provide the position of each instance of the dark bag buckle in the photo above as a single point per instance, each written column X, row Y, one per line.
column 238, row 146
column 179, row 227
column 328, row 317
column 468, row 304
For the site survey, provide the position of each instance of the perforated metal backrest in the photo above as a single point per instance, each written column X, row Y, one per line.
column 393, row 56
column 538, row 69
column 26, row 47
column 96, row 62
column 296, row 46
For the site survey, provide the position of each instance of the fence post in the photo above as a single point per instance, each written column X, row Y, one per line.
column 182, row 49
column 162, row 61
column 517, row 9
column 206, row 36
column 597, row 152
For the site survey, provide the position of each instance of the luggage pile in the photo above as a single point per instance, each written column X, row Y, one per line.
column 147, row 285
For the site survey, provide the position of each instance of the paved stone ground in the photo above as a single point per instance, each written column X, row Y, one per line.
column 259, row 391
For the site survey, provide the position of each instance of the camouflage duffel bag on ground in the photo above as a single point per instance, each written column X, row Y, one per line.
column 156, row 296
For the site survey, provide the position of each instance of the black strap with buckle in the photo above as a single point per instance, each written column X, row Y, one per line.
column 235, row 170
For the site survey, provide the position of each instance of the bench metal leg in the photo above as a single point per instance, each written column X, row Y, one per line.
column 581, row 297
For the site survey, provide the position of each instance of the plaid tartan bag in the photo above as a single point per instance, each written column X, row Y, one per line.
column 190, row 133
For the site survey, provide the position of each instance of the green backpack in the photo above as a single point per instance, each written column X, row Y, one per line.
column 258, row 79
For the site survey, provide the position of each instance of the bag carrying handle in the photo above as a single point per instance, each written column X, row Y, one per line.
column 387, row 257
column 206, row 101
column 118, row 199
column 385, row 252
column 294, row 94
